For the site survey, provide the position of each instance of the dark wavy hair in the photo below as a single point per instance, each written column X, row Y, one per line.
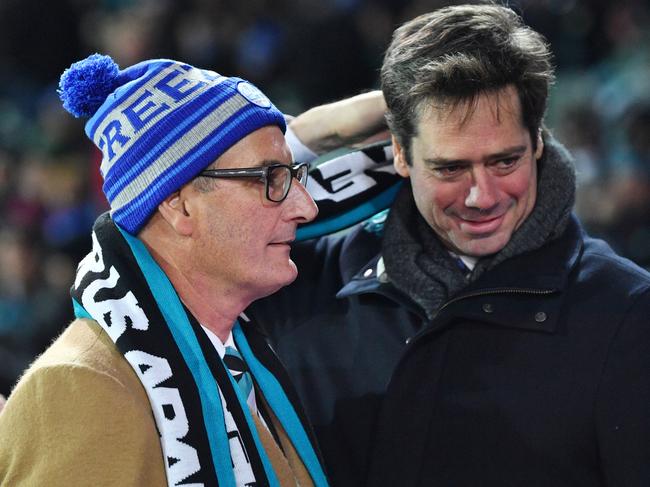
column 455, row 54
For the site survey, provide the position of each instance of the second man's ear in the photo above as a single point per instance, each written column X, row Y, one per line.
column 540, row 145
column 399, row 158
column 174, row 211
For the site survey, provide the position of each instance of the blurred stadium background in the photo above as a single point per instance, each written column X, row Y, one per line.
column 301, row 53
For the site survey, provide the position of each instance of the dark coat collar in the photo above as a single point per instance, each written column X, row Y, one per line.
column 523, row 292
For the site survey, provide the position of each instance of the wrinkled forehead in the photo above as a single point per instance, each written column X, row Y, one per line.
column 262, row 147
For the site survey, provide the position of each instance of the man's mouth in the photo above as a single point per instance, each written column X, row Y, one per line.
column 480, row 226
column 286, row 242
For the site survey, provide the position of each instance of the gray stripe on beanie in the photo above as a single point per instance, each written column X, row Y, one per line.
column 115, row 113
column 186, row 143
column 162, row 122
column 160, row 97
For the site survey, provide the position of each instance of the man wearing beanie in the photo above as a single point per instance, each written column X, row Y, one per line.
column 161, row 380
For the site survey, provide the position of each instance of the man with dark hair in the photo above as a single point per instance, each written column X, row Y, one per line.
column 477, row 335
column 454, row 56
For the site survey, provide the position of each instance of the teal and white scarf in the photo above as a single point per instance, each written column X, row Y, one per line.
column 119, row 285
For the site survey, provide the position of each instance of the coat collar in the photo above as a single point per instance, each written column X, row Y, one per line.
column 525, row 291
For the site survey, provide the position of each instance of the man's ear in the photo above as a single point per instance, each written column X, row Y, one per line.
column 399, row 158
column 539, row 150
column 174, row 211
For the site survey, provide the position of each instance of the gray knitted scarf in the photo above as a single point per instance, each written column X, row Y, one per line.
column 419, row 265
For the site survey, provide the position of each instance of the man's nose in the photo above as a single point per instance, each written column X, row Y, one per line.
column 299, row 204
column 482, row 192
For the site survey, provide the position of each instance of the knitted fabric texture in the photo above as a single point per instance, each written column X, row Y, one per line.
column 158, row 124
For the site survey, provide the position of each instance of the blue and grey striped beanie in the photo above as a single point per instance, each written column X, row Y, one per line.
column 158, row 124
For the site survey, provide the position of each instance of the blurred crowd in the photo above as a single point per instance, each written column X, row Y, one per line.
column 301, row 53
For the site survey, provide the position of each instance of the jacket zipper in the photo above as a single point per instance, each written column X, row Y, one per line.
column 410, row 343
column 493, row 292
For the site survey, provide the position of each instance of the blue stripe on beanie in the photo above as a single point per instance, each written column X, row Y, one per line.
column 160, row 123
column 132, row 86
column 193, row 162
column 152, row 146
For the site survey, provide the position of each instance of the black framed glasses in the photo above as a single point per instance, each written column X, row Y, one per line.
column 277, row 177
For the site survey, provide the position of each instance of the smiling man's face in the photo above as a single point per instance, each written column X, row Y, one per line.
column 473, row 173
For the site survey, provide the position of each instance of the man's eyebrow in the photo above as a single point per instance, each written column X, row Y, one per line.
column 442, row 162
column 507, row 152
column 269, row 162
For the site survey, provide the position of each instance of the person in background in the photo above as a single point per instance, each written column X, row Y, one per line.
column 475, row 335
column 161, row 380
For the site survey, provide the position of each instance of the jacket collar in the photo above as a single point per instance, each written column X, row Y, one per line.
column 537, row 280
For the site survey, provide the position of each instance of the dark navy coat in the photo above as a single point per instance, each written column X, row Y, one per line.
column 537, row 374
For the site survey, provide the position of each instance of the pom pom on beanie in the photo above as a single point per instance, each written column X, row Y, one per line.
column 158, row 124
column 85, row 85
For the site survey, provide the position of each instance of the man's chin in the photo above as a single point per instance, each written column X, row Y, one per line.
column 287, row 275
column 282, row 277
column 474, row 246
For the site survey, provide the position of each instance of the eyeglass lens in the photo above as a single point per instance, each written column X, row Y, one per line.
column 279, row 181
